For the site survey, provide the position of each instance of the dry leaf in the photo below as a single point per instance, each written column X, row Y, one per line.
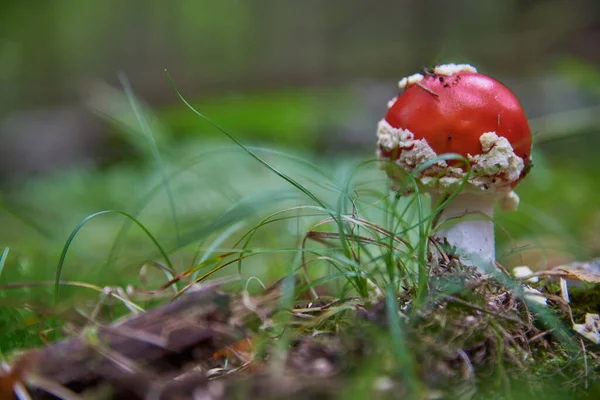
column 589, row 330
column 581, row 271
column 242, row 349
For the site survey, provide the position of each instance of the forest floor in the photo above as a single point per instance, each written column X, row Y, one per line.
column 473, row 336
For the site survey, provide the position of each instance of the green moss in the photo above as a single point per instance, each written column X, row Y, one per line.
column 23, row 329
column 584, row 300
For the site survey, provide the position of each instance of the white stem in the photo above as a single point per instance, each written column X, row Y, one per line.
column 472, row 236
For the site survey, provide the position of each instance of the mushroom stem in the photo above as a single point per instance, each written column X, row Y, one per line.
column 468, row 225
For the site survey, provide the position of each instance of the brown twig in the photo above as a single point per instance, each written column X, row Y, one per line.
column 427, row 89
column 483, row 310
column 540, row 335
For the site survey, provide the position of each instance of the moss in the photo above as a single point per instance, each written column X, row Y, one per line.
column 585, row 299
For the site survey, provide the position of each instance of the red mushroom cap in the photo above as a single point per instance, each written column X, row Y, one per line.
column 451, row 107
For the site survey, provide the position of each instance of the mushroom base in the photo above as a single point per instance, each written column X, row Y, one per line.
column 466, row 223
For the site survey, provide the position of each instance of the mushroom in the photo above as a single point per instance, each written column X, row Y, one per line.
column 454, row 109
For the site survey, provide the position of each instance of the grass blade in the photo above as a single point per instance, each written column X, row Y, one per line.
column 405, row 362
column 3, row 260
column 155, row 153
column 65, row 249
column 287, row 178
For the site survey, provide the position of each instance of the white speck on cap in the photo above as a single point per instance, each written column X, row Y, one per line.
column 493, row 171
column 419, row 153
column 497, row 158
column 410, row 80
column 390, row 138
column 391, row 102
column 451, row 69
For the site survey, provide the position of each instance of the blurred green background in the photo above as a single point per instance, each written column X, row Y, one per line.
column 305, row 82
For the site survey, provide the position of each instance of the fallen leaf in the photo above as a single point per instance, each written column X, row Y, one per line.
column 241, row 349
column 581, row 271
column 589, row 330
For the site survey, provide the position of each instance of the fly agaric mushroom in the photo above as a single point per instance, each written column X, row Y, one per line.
column 454, row 109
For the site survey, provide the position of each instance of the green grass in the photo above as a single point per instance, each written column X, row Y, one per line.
column 204, row 210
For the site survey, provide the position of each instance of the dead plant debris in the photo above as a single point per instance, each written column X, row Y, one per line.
column 475, row 337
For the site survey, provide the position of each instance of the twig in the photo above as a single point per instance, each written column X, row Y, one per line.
column 585, row 363
column 540, row 335
column 483, row 310
column 501, row 267
column 440, row 250
column 427, row 89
